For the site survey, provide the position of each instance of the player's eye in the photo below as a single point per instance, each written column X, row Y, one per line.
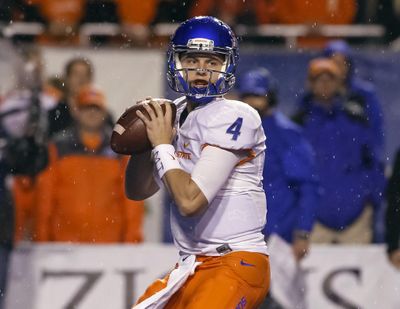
column 190, row 61
column 214, row 63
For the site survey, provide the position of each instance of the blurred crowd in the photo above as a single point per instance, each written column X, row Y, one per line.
column 64, row 18
column 59, row 179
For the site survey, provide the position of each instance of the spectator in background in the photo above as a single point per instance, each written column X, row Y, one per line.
column 345, row 157
column 55, row 86
column 318, row 12
column 22, row 152
column 357, row 91
column 7, row 10
column 26, row 108
column 172, row 11
column 234, row 12
column 80, row 194
column 314, row 13
column 62, row 18
column 78, row 72
column 289, row 173
column 393, row 215
column 101, row 11
column 6, row 218
column 227, row 11
column 135, row 17
column 360, row 97
column 388, row 14
column 18, row 10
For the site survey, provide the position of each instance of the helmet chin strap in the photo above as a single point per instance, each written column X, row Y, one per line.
column 202, row 92
column 201, row 95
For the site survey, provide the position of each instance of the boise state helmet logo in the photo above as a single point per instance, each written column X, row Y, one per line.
column 201, row 44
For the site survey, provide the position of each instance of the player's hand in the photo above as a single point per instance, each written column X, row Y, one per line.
column 158, row 126
column 394, row 258
column 300, row 248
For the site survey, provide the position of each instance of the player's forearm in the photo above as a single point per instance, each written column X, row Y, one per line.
column 185, row 192
column 139, row 180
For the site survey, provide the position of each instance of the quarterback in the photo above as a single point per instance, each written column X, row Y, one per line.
column 211, row 162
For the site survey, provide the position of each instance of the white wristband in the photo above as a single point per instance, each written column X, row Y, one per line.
column 164, row 159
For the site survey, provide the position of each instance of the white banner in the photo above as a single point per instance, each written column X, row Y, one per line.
column 105, row 277
column 78, row 277
column 351, row 277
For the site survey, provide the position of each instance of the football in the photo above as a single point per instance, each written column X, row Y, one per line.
column 129, row 135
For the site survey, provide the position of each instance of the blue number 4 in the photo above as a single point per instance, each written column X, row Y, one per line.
column 235, row 127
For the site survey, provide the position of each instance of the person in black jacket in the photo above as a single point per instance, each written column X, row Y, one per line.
column 6, row 223
column 78, row 72
column 23, row 150
column 393, row 215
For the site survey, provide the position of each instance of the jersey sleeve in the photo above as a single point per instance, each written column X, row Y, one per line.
column 232, row 127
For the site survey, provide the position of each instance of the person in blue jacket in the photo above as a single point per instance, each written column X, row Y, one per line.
column 346, row 159
column 289, row 175
column 360, row 92
column 289, row 178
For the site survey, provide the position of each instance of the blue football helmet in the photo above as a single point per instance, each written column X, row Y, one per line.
column 204, row 35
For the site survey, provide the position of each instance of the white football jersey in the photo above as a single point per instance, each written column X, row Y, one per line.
column 234, row 219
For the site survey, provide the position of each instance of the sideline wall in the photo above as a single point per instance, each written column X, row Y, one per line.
column 104, row 277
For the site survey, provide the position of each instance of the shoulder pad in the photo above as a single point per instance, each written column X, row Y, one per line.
column 230, row 124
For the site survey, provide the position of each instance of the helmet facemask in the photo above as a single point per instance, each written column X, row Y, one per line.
column 178, row 76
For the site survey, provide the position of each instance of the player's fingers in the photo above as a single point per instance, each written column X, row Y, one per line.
column 144, row 101
column 157, row 108
column 142, row 117
column 150, row 111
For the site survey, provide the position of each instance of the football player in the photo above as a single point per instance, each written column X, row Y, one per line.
column 211, row 162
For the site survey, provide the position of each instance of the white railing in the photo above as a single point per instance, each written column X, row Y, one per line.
column 290, row 33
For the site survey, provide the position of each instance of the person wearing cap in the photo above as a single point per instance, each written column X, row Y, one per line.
column 289, row 176
column 361, row 95
column 80, row 194
column 360, row 92
column 345, row 158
